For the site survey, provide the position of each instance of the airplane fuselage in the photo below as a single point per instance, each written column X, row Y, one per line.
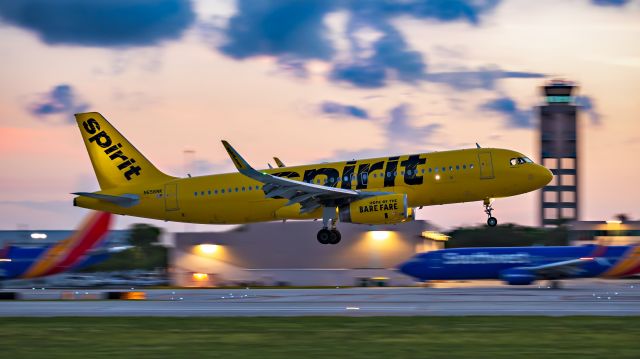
column 427, row 179
column 522, row 265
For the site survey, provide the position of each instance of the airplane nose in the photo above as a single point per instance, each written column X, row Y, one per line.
column 546, row 176
column 410, row 268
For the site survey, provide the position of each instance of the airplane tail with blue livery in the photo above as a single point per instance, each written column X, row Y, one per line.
column 84, row 247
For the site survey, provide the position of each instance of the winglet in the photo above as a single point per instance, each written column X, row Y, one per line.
column 242, row 165
column 278, row 162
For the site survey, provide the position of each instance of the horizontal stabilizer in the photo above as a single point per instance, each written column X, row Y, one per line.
column 109, row 250
column 125, row 200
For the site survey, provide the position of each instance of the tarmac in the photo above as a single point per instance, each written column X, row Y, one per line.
column 576, row 297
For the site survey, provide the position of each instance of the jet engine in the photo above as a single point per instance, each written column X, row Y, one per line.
column 383, row 209
column 517, row 276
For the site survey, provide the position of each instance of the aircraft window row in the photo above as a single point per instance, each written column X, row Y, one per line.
column 519, row 161
column 451, row 168
column 223, row 191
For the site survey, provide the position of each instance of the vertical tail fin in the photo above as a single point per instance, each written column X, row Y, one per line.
column 67, row 252
column 115, row 160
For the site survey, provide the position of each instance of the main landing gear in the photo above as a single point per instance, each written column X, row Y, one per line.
column 326, row 235
column 491, row 221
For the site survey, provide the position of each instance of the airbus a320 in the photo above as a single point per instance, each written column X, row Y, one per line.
column 368, row 191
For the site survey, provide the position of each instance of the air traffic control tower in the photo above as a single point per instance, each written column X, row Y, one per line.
column 559, row 200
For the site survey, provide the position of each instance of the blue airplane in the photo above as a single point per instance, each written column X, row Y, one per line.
column 524, row 265
column 82, row 249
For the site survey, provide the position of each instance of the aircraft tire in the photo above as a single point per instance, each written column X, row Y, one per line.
column 335, row 237
column 492, row 221
column 324, row 236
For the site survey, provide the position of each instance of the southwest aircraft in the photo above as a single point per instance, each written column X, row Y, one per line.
column 81, row 249
column 524, row 265
column 368, row 191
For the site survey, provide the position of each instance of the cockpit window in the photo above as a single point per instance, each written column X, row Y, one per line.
column 519, row 161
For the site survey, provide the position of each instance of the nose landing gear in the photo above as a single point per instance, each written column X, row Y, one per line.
column 491, row 221
column 326, row 235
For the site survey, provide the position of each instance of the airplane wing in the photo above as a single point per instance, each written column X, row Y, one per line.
column 108, row 250
column 310, row 196
column 559, row 269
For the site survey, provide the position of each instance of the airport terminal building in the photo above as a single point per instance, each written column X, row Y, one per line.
column 278, row 253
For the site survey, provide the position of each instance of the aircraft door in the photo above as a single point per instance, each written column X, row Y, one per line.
column 486, row 165
column 171, row 197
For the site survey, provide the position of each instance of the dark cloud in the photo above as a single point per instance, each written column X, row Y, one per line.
column 391, row 59
column 292, row 30
column 485, row 78
column 61, row 100
column 587, row 105
column 289, row 28
column 610, row 2
column 337, row 109
column 508, row 107
column 439, row 10
column 102, row 23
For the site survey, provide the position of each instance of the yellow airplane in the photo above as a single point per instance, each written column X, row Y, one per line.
column 369, row 191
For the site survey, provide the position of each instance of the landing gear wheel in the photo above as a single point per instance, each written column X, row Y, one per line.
column 324, row 236
column 492, row 221
column 335, row 237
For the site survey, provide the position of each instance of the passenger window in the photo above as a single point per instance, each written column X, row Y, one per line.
column 444, row 169
column 215, row 191
column 195, row 194
column 423, row 170
column 457, row 167
column 202, row 193
column 209, row 192
column 257, row 188
column 222, row 190
column 429, row 170
column 236, row 189
column 230, row 190
column 436, row 169
column 242, row 189
column 513, row 161
column 450, row 168
column 464, row 167
column 471, row 165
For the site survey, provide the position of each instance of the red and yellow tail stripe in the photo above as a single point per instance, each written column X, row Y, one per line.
column 629, row 264
column 66, row 253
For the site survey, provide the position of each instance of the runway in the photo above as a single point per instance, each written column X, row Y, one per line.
column 578, row 297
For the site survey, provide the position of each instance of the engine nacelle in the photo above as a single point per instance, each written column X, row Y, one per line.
column 383, row 209
column 517, row 276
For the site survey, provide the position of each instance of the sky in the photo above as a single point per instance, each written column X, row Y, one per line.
column 310, row 81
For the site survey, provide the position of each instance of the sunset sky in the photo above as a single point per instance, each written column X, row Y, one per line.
column 310, row 81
